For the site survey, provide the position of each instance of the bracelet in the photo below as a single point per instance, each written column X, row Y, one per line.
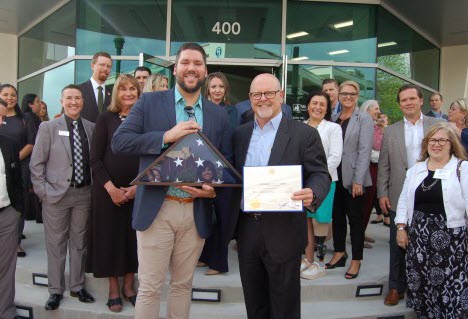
column 401, row 228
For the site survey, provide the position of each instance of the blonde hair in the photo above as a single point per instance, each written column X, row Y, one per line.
column 350, row 83
column 153, row 82
column 463, row 105
column 456, row 148
column 121, row 81
column 222, row 77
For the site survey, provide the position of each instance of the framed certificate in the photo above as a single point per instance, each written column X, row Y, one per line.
column 269, row 188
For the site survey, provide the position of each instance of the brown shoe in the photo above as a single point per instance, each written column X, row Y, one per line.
column 393, row 297
column 212, row 272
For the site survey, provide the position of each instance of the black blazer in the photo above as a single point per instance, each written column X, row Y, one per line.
column 13, row 172
column 90, row 109
column 295, row 144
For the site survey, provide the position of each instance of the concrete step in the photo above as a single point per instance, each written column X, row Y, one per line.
column 70, row 308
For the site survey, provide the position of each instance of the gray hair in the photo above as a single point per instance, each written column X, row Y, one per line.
column 367, row 105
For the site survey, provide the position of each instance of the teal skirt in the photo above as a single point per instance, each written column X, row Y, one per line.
column 324, row 213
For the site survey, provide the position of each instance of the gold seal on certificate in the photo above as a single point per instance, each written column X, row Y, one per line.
column 269, row 188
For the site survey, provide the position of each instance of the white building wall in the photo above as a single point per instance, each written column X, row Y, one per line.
column 454, row 73
column 9, row 58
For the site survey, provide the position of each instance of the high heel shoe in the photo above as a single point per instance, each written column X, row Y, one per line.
column 340, row 263
column 352, row 276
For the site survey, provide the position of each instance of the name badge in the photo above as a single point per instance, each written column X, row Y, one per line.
column 441, row 174
column 64, row 133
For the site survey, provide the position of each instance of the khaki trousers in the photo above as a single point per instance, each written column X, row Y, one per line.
column 9, row 219
column 66, row 222
column 172, row 241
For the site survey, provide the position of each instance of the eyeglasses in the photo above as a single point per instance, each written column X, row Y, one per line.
column 441, row 141
column 258, row 95
column 346, row 94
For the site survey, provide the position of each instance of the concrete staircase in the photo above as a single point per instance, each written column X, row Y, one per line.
column 329, row 297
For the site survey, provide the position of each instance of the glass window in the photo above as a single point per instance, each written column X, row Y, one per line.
column 229, row 29
column 50, row 41
column 83, row 70
column 403, row 50
column 48, row 86
column 305, row 79
column 331, row 31
column 103, row 24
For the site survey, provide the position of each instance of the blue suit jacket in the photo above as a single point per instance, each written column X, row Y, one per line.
column 142, row 134
column 245, row 105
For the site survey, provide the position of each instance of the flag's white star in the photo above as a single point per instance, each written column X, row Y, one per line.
column 177, row 180
column 178, row 162
column 218, row 181
column 199, row 162
column 219, row 164
column 199, row 181
column 199, row 142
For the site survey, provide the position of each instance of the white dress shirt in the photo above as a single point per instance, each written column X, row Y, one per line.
column 95, row 90
column 414, row 134
column 4, row 199
column 332, row 141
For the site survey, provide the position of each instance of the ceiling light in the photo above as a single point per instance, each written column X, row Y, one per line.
column 338, row 52
column 300, row 58
column 386, row 44
column 343, row 24
column 297, row 34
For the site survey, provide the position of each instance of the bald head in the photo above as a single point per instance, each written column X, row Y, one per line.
column 265, row 97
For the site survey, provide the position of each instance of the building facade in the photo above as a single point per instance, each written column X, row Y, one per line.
column 301, row 42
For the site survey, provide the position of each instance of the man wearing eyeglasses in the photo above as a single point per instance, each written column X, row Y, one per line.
column 270, row 244
column 401, row 148
column 172, row 223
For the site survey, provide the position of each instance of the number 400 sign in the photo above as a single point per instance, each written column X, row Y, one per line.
column 226, row 28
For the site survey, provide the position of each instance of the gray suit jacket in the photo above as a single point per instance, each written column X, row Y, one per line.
column 357, row 148
column 393, row 162
column 51, row 162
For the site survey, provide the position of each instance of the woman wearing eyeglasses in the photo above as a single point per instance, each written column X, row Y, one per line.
column 430, row 219
column 457, row 115
column 353, row 177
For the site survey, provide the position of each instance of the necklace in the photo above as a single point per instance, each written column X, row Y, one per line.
column 122, row 117
column 428, row 188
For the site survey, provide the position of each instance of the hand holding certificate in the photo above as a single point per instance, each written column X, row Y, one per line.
column 270, row 188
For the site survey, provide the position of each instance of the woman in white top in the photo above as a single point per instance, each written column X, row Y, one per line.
column 433, row 203
column 319, row 109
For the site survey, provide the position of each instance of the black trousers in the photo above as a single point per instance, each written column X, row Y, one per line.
column 271, row 289
column 397, row 274
column 344, row 205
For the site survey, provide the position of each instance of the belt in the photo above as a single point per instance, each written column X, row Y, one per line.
column 255, row 216
column 79, row 185
column 180, row 199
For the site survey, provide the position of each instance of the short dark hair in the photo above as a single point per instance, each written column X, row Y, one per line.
column 71, row 86
column 98, row 54
column 328, row 81
column 327, row 97
column 437, row 93
column 27, row 99
column 142, row 68
column 2, row 102
column 409, row 87
column 191, row 46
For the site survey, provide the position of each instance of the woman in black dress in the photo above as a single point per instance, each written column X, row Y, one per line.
column 112, row 246
column 23, row 131
column 430, row 220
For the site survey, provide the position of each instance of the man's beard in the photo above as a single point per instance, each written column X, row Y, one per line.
column 187, row 89
column 265, row 113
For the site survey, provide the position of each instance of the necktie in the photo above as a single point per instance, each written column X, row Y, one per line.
column 100, row 99
column 77, row 154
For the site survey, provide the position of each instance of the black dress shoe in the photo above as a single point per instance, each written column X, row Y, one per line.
column 82, row 295
column 53, row 302
column 340, row 263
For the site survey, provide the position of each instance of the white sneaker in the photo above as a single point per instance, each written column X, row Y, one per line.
column 304, row 264
column 313, row 272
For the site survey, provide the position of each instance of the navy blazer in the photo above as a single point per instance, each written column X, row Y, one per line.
column 142, row 134
column 295, row 144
